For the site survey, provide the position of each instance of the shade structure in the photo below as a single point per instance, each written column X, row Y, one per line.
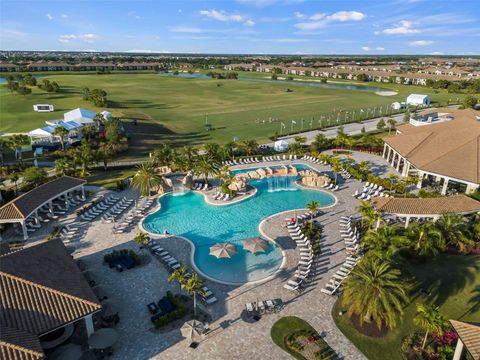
column 255, row 245
column 192, row 328
column 67, row 352
column 103, row 338
column 223, row 250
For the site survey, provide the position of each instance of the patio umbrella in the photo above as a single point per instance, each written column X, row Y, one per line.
column 67, row 352
column 103, row 338
column 192, row 328
column 223, row 250
column 255, row 245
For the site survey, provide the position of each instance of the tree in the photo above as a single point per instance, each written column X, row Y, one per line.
column 23, row 90
column 391, row 124
column 384, row 243
column 336, row 167
column 312, row 206
column 146, row 179
column 406, row 116
column 163, row 156
column 375, row 292
column 189, row 153
column 142, row 238
column 4, row 147
column 212, row 151
column 63, row 167
column 426, row 239
column 16, row 142
column 194, row 286
column 14, row 176
column 88, row 132
column 250, row 147
column 179, row 275
column 205, row 166
column 274, row 77
column 393, row 178
column 430, row 320
column 320, row 143
column 61, row 133
column 34, row 176
column 105, row 153
column 453, row 231
column 363, row 168
column 84, row 156
column 381, row 124
column 469, row 101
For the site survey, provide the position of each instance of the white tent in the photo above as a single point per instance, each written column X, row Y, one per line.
column 107, row 115
column 396, row 105
column 418, row 99
column 81, row 116
column 280, row 145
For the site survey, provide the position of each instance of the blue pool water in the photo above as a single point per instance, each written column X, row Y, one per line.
column 205, row 225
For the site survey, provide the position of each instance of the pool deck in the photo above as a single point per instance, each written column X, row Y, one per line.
column 230, row 337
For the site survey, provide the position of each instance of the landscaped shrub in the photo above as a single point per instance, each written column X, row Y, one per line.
column 314, row 233
column 117, row 253
column 176, row 314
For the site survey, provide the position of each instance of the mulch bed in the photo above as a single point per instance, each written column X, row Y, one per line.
column 368, row 329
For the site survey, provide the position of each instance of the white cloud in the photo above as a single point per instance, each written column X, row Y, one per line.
column 347, row 16
column 420, row 43
column 49, row 16
column 299, row 15
column 366, row 48
column 404, row 27
column 64, row 16
column 380, row 48
column 249, row 23
column 289, row 40
column 321, row 20
column 436, row 53
column 148, row 51
column 134, row 15
column 222, row 16
column 186, row 29
column 87, row 38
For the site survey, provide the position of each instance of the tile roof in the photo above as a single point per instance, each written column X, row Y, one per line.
column 427, row 206
column 450, row 148
column 469, row 333
column 19, row 345
column 41, row 289
column 23, row 206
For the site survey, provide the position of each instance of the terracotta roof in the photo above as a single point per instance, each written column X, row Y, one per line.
column 16, row 344
column 41, row 289
column 23, row 206
column 469, row 333
column 427, row 206
column 449, row 148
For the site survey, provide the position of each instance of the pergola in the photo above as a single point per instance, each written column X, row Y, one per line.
column 468, row 336
column 426, row 208
column 21, row 208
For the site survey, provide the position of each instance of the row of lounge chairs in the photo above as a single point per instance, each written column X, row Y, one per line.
column 265, row 307
column 300, row 218
column 69, row 232
column 221, row 196
column 172, row 264
column 350, row 235
column 111, row 206
column 197, row 185
column 345, row 174
column 340, row 275
column 369, row 191
column 280, row 158
column 306, row 259
column 251, row 160
column 331, row 186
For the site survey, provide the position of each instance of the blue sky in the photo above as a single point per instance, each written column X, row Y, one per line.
column 244, row 26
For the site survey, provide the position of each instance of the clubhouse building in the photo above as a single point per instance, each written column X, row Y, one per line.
column 444, row 154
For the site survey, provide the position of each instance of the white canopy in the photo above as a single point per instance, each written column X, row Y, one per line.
column 280, row 145
column 80, row 115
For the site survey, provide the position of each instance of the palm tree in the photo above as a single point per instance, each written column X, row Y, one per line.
column 363, row 168
column 249, row 146
column 179, row 275
column 61, row 133
column 142, row 238
column 146, row 179
column 375, row 292
column 63, row 167
column 391, row 124
column 13, row 176
column 336, row 167
column 88, row 132
column 193, row 286
column 16, row 142
column 312, row 206
column 426, row 239
column 4, row 147
column 84, row 156
column 163, row 156
column 392, row 177
column 453, row 231
column 429, row 319
column 205, row 166
column 212, row 151
column 384, row 243
column 368, row 212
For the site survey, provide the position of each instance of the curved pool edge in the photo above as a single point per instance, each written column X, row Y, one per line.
column 231, row 202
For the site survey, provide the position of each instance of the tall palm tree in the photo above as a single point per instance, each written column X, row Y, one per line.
column 16, row 142
column 63, row 167
column 249, row 146
column 193, row 286
column 3, row 149
column 453, row 230
column 426, row 239
column 163, row 156
column 363, row 168
column 312, row 206
column 179, row 275
column 146, row 179
column 336, row 167
column 430, row 320
column 212, row 151
column 189, row 153
column 369, row 213
column 142, row 238
column 205, row 166
column 84, row 156
column 385, row 242
column 391, row 124
column 61, row 133
column 375, row 292
column 393, row 178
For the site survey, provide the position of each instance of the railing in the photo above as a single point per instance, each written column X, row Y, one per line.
column 120, row 163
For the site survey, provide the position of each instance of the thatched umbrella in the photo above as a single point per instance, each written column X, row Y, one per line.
column 192, row 328
column 103, row 338
column 67, row 352
column 255, row 245
column 223, row 250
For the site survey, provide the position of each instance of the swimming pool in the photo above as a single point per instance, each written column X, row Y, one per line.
column 205, row 225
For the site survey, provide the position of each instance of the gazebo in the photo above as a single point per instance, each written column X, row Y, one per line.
column 21, row 208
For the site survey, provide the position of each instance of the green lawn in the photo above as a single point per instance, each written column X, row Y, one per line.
column 109, row 178
column 175, row 107
column 454, row 284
